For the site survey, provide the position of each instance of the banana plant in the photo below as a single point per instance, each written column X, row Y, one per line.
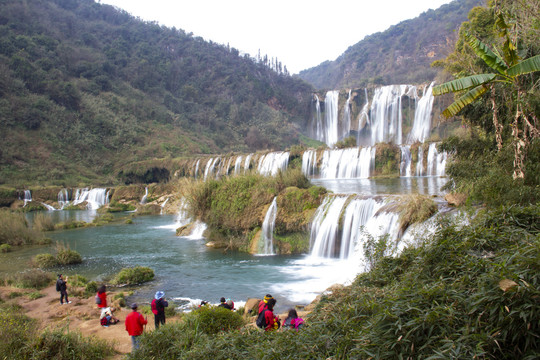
column 506, row 69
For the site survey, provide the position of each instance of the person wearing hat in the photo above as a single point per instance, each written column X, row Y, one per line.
column 134, row 325
column 263, row 304
column 158, row 308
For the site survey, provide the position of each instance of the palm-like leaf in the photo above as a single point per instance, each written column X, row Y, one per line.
column 524, row 67
column 463, row 83
column 485, row 53
column 465, row 100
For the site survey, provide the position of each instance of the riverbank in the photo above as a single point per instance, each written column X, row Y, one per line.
column 82, row 315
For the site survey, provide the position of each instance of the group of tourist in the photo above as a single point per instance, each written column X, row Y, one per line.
column 135, row 321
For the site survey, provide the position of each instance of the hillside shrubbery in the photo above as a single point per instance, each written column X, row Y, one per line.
column 469, row 292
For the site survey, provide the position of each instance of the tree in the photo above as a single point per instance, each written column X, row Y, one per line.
column 508, row 69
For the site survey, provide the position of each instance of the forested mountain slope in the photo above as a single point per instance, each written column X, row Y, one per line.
column 400, row 55
column 85, row 88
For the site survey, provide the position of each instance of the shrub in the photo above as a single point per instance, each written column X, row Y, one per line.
column 133, row 276
column 35, row 295
column 5, row 248
column 415, row 209
column 60, row 344
column 14, row 229
column 213, row 319
column 33, row 279
column 43, row 222
column 91, row 288
column 66, row 256
column 45, row 260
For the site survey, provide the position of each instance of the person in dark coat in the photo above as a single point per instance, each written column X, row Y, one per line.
column 224, row 304
column 160, row 304
column 61, row 285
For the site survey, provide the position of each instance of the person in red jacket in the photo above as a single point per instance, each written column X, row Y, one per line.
column 272, row 321
column 134, row 325
column 264, row 302
column 102, row 296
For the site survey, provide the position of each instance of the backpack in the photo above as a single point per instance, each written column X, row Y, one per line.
column 104, row 321
column 98, row 299
column 153, row 306
column 58, row 285
column 261, row 321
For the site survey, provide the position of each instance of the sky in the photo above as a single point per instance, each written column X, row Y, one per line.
column 299, row 33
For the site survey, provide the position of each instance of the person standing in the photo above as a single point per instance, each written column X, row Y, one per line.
column 158, row 308
column 101, row 297
column 61, row 285
column 134, row 326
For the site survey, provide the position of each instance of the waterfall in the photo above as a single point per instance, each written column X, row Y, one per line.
column 436, row 162
column 347, row 163
column 386, row 117
column 331, row 135
column 324, row 227
column 143, row 200
column 346, row 122
column 247, row 163
column 94, row 197
column 63, row 198
column 209, row 169
column 163, row 206
column 267, row 235
column 27, row 197
column 182, row 217
column 198, row 230
column 237, row 165
column 406, row 159
column 197, row 168
column 48, row 207
column 420, row 163
column 343, row 225
column 309, row 162
column 363, row 117
column 316, row 121
column 422, row 117
column 271, row 163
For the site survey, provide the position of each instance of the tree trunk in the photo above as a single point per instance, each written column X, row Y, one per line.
column 520, row 146
column 498, row 126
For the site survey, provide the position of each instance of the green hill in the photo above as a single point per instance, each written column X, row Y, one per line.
column 85, row 88
column 400, row 55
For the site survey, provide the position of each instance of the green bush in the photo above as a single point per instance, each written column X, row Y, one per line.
column 212, row 320
column 66, row 256
column 90, row 288
column 5, row 248
column 45, row 260
column 33, row 279
column 133, row 276
column 35, row 295
column 61, row 344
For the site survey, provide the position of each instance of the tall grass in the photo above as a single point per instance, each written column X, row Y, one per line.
column 43, row 222
column 14, row 229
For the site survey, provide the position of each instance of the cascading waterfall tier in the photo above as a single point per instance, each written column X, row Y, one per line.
column 266, row 242
column 95, row 198
column 379, row 120
column 344, row 225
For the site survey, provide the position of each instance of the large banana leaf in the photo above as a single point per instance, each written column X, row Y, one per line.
column 485, row 53
column 524, row 67
column 465, row 100
column 463, row 83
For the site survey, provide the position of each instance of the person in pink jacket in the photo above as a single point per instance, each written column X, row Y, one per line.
column 134, row 325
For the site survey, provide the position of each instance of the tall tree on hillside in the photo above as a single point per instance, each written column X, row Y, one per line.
column 507, row 80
